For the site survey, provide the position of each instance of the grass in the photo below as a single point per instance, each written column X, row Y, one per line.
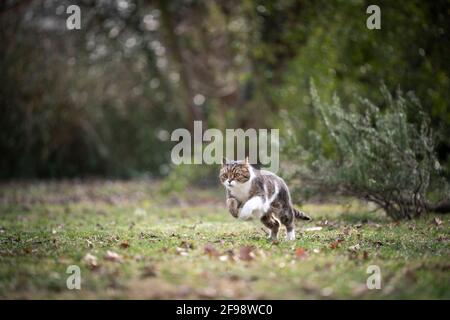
column 187, row 246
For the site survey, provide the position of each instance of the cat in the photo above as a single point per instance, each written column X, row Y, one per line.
column 259, row 193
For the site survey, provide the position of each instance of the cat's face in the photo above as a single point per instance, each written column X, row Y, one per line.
column 234, row 173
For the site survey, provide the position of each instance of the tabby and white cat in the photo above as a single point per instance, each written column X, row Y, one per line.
column 260, row 194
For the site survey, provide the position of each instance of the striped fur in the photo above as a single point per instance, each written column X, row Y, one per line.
column 253, row 193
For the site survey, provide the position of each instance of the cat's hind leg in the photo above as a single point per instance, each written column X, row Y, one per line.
column 287, row 219
column 270, row 222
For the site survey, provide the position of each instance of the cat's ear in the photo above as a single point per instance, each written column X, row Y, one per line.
column 246, row 160
column 224, row 161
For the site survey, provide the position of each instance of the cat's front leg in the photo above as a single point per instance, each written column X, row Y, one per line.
column 233, row 206
column 254, row 206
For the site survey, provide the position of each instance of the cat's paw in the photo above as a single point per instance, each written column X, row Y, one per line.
column 273, row 237
column 233, row 207
column 290, row 235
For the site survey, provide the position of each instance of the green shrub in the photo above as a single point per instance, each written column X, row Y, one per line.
column 382, row 155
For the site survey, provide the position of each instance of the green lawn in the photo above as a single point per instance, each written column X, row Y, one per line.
column 188, row 246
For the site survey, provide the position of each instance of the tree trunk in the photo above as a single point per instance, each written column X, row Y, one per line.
column 194, row 112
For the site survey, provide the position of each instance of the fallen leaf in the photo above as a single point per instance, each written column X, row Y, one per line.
column 246, row 253
column 125, row 245
column 365, row 255
column 301, row 253
column 186, row 245
column 378, row 244
column 90, row 260
column 231, row 255
column 335, row 244
column 347, row 231
column 210, row 250
column 437, row 221
column 113, row 256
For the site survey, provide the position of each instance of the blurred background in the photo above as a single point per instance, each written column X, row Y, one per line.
column 86, row 176
column 103, row 100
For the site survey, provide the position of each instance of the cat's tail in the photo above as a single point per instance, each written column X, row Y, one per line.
column 300, row 215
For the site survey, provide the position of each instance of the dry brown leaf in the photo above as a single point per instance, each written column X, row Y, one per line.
column 125, row 245
column 231, row 255
column 301, row 253
column 113, row 256
column 335, row 244
column 90, row 260
column 378, row 244
column 347, row 231
column 246, row 253
column 365, row 255
column 186, row 245
column 210, row 250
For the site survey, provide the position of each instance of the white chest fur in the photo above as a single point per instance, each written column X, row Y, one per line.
column 241, row 191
